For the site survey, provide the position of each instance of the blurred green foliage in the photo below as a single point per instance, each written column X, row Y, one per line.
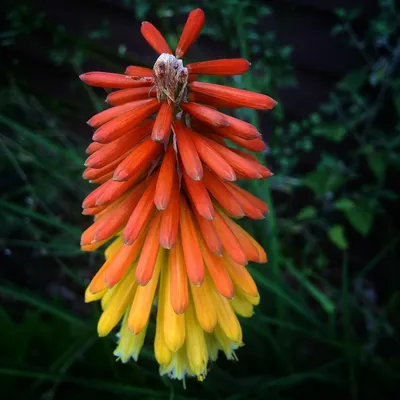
column 320, row 329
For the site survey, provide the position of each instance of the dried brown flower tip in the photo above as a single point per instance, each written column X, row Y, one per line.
column 170, row 78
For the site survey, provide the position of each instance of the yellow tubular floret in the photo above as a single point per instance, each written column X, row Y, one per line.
column 141, row 306
column 129, row 345
column 205, row 310
column 174, row 324
column 195, row 344
column 241, row 305
column 227, row 319
column 113, row 247
column 116, row 306
column 161, row 351
column 89, row 296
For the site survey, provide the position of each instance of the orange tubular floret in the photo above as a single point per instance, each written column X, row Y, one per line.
column 256, row 144
column 222, row 194
column 178, row 279
column 264, row 171
column 139, row 159
column 133, row 70
column 92, row 246
column 229, row 241
column 90, row 199
column 219, row 274
column 241, row 97
column 101, row 179
column 190, row 32
column 224, row 67
column 118, row 147
column 98, row 282
column 248, row 206
column 122, row 261
column 248, row 246
column 170, row 218
column 123, row 96
column 187, row 150
column 112, row 190
column 93, row 147
column 238, row 163
column 142, row 212
column 95, row 173
column 165, row 180
column 241, row 277
column 206, row 114
column 238, row 128
column 209, row 233
column 260, row 204
column 154, row 38
column 262, row 255
column 214, row 137
column 199, row 197
column 112, row 80
column 107, row 115
column 93, row 210
column 112, row 219
column 211, row 101
column 121, row 125
column 162, row 126
column 212, row 159
column 148, row 256
column 190, row 244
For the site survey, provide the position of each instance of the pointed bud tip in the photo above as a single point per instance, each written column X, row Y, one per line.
column 198, row 281
column 160, row 206
column 119, row 176
column 127, row 242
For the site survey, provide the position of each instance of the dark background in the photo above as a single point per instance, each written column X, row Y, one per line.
column 328, row 321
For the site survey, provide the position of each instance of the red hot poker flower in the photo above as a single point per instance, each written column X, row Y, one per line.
column 166, row 204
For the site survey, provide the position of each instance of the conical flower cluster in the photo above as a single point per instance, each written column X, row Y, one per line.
column 166, row 206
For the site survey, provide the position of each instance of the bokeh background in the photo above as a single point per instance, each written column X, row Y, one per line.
column 327, row 326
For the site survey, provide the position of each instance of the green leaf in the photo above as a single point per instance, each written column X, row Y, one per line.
column 330, row 130
column 361, row 217
column 337, row 237
column 306, row 213
column 344, row 204
column 353, row 81
column 324, row 180
column 378, row 163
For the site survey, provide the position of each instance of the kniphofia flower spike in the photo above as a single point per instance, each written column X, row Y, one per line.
column 167, row 197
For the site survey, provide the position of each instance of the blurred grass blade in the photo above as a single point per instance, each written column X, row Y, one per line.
column 37, row 138
column 39, row 217
column 326, row 303
column 284, row 294
column 42, row 304
column 100, row 385
column 298, row 329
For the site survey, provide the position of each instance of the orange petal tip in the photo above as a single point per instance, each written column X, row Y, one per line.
column 190, row 32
